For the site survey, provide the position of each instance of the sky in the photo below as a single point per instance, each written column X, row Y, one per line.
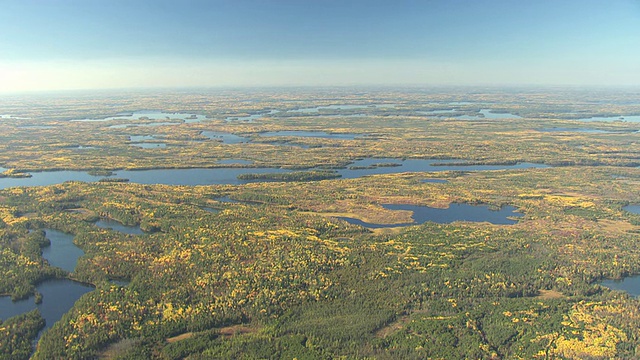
column 102, row 44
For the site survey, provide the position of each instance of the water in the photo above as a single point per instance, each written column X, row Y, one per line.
column 316, row 109
column 62, row 252
column 251, row 118
column 631, row 285
column 313, row 134
column 58, row 295
column 228, row 176
column 435, row 181
column 632, row 209
column 226, row 138
column 578, row 130
column 150, row 145
column 488, row 114
column 123, row 126
column 629, row 118
column 421, row 165
column 455, row 212
column 117, row 226
column 235, row 162
column 151, row 115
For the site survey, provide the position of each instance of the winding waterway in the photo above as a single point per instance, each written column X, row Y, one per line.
column 229, row 176
column 58, row 295
column 455, row 212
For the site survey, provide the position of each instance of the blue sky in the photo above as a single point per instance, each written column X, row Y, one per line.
column 69, row 44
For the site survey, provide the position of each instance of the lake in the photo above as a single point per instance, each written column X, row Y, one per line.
column 118, row 226
column 368, row 166
column 62, row 252
column 629, row 118
column 58, row 295
column 312, row 134
column 228, row 176
column 225, row 138
column 630, row 284
column 632, row 209
column 455, row 212
column 151, row 115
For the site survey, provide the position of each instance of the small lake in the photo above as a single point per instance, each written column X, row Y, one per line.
column 632, row 209
column 117, row 226
column 371, row 166
column 58, row 295
column 317, row 109
column 579, row 130
column 151, row 115
column 488, row 114
column 228, row 176
column 630, row 284
column 62, row 252
column 250, row 118
column 311, row 134
column 629, row 118
column 455, row 212
column 225, row 138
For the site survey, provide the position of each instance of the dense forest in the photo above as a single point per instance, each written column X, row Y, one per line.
column 267, row 269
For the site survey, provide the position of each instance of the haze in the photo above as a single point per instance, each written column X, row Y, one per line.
column 90, row 44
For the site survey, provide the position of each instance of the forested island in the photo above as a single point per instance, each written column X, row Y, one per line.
column 233, row 245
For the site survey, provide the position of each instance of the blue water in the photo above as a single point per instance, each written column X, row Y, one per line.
column 631, row 285
column 62, row 252
column 228, row 176
column 58, row 295
column 149, row 145
column 632, row 209
column 225, row 138
column 313, row 134
column 455, row 212
column 629, row 118
column 152, row 115
column 421, row 165
column 578, row 130
column 435, row 181
column 117, row 226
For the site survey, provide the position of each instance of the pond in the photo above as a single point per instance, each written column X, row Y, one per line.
column 225, row 138
column 316, row 109
column 228, row 176
column 630, row 118
column 58, row 295
column 312, row 134
column 632, row 209
column 578, row 130
column 151, row 115
column 630, row 284
column 250, row 118
column 118, row 226
column 62, row 252
column 488, row 114
column 455, row 212
column 375, row 166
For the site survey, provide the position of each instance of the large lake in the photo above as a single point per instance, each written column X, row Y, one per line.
column 58, row 295
column 229, row 176
column 455, row 212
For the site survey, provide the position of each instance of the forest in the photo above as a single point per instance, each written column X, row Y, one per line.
column 264, row 266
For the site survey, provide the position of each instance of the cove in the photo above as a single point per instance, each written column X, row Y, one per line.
column 630, row 118
column 312, row 134
column 376, row 166
column 117, row 226
column 151, row 115
column 630, row 284
column 455, row 212
column 635, row 209
column 58, row 295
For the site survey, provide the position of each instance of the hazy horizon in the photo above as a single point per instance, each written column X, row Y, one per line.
column 91, row 44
